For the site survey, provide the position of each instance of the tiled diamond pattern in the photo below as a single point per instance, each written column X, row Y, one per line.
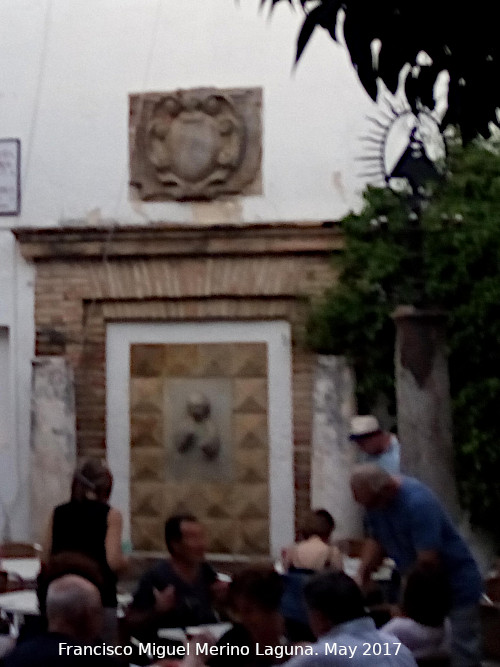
column 235, row 511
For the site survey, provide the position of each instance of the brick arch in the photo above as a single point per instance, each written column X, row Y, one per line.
column 86, row 278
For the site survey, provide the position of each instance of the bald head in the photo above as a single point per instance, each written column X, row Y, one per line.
column 74, row 607
column 372, row 486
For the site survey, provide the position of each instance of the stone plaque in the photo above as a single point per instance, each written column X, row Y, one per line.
column 195, row 144
column 10, row 189
column 53, row 446
column 198, row 428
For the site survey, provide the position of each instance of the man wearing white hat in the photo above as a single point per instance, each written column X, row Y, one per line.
column 376, row 445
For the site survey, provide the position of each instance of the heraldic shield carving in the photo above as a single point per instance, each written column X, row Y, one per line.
column 195, row 144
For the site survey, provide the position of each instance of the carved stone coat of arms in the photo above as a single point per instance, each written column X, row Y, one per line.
column 195, row 144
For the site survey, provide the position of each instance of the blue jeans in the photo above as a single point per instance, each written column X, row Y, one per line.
column 465, row 636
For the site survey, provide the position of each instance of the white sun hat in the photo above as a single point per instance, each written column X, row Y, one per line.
column 362, row 425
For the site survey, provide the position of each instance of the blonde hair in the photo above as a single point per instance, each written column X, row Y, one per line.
column 92, row 480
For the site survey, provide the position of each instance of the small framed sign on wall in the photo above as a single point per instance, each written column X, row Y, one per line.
column 10, row 180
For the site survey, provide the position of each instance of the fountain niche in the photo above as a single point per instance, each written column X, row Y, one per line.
column 199, row 443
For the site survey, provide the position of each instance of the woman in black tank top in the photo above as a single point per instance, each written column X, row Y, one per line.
column 88, row 525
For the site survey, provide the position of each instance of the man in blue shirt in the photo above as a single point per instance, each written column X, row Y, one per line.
column 346, row 635
column 407, row 522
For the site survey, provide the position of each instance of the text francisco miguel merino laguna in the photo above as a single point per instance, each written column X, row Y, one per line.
column 153, row 650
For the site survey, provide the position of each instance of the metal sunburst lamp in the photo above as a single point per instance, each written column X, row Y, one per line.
column 413, row 156
column 422, row 384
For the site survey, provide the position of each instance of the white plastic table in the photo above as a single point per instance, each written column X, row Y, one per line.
column 19, row 604
column 25, row 603
column 26, row 569
column 216, row 630
column 383, row 573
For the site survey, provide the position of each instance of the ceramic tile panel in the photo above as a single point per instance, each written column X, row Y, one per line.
column 146, row 429
column 217, row 500
column 224, row 484
column 146, row 394
column 250, row 395
column 254, row 536
column 147, row 464
column 186, row 502
column 181, row 360
column 147, row 499
column 249, row 360
column 148, row 534
column 223, row 534
column 250, row 431
column 252, row 466
column 250, row 501
column 146, row 360
column 215, row 360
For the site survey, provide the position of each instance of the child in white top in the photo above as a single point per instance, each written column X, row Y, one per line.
column 314, row 552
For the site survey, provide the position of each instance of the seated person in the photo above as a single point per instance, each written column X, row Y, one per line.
column 314, row 552
column 57, row 567
column 254, row 599
column 74, row 616
column 423, row 628
column 67, row 562
column 178, row 592
column 338, row 618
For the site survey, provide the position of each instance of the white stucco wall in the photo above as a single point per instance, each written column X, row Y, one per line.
column 16, row 351
column 67, row 67
column 66, row 70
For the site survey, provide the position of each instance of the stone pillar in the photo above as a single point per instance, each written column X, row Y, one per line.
column 53, row 439
column 423, row 401
column 333, row 455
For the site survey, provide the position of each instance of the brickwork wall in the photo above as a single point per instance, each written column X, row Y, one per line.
column 76, row 297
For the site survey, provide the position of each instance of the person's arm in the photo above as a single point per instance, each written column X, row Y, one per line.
column 372, row 555
column 428, row 558
column 219, row 591
column 113, row 544
column 335, row 558
column 47, row 541
column 140, row 619
column 287, row 554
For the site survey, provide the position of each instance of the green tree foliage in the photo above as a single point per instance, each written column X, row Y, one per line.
column 461, row 274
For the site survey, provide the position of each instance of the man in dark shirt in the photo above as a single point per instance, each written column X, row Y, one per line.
column 178, row 592
column 74, row 615
column 255, row 598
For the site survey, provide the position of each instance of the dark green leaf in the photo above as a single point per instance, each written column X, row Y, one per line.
column 310, row 23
